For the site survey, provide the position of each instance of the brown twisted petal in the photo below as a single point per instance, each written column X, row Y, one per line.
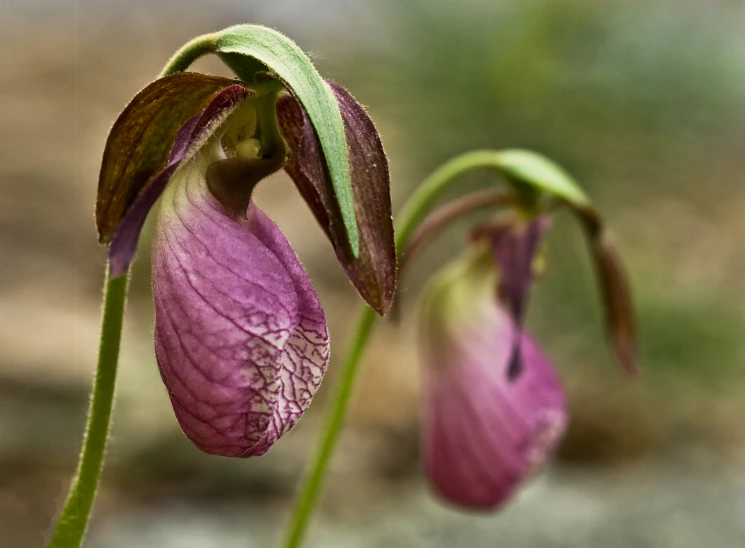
column 159, row 129
column 142, row 138
column 614, row 287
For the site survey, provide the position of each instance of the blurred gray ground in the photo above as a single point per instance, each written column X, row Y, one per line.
column 642, row 101
column 658, row 508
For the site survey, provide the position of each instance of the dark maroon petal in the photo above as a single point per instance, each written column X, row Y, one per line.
column 240, row 335
column 150, row 138
column 233, row 180
column 373, row 273
column 444, row 216
column 124, row 243
column 615, row 290
column 514, row 246
column 483, row 433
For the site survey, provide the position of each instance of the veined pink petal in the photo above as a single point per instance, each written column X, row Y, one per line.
column 484, row 432
column 240, row 336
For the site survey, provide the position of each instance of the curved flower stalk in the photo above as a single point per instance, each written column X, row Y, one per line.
column 240, row 336
column 493, row 407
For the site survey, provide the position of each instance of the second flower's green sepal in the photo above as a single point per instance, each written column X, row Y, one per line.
column 541, row 175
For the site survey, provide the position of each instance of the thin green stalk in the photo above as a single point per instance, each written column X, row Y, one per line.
column 74, row 519
column 412, row 214
column 270, row 135
column 190, row 52
column 308, row 497
column 419, row 204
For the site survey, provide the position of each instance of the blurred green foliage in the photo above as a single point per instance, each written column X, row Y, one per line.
column 564, row 77
column 644, row 103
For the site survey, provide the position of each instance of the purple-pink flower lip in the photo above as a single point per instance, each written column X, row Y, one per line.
column 487, row 427
column 240, row 335
column 494, row 408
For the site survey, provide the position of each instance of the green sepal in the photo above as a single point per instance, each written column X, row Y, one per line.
column 242, row 45
column 246, row 68
column 542, row 174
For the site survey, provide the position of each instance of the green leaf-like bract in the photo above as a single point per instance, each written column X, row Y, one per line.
column 542, row 174
column 294, row 68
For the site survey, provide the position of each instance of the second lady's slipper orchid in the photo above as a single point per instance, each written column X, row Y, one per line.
column 494, row 408
column 240, row 335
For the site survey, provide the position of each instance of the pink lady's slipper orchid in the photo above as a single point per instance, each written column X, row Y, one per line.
column 494, row 408
column 240, row 335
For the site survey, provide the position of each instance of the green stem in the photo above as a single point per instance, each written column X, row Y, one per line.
column 306, row 502
column 190, row 52
column 270, row 135
column 74, row 519
column 419, row 204
column 412, row 214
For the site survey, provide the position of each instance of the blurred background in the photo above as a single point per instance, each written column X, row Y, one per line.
column 643, row 101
